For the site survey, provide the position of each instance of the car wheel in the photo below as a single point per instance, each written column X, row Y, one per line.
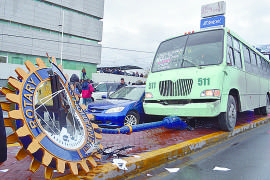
column 227, row 120
column 132, row 118
column 265, row 109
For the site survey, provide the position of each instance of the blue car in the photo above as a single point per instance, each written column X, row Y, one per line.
column 123, row 107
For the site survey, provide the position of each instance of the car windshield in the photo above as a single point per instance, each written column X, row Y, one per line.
column 193, row 50
column 128, row 92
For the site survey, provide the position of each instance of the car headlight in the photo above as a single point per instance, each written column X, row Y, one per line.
column 211, row 93
column 115, row 110
column 148, row 95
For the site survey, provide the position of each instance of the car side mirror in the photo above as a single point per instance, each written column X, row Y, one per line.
column 103, row 96
column 95, row 90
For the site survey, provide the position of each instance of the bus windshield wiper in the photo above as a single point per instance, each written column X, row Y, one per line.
column 191, row 62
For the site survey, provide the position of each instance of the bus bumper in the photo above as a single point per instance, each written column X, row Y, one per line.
column 210, row 109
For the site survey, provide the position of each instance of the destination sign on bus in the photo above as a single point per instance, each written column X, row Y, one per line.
column 217, row 21
column 213, row 9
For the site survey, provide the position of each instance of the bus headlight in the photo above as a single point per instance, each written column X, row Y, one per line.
column 211, row 93
column 115, row 110
column 148, row 95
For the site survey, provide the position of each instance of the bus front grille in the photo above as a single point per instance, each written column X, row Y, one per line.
column 181, row 87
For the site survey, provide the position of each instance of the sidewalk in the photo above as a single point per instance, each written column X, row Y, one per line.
column 152, row 147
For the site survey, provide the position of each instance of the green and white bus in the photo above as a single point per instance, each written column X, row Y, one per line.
column 210, row 73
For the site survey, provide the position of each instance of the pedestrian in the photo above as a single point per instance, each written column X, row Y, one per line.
column 87, row 90
column 83, row 73
column 3, row 139
column 75, row 81
column 122, row 84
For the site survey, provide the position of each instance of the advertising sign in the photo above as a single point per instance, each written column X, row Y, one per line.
column 217, row 21
column 213, row 9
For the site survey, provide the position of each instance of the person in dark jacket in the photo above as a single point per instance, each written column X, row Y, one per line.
column 122, row 84
column 3, row 139
column 75, row 81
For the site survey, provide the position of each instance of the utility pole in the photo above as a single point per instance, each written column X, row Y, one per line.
column 62, row 43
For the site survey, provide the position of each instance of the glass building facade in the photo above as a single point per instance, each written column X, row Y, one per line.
column 72, row 29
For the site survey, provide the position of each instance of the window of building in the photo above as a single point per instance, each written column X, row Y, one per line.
column 17, row 60
column 3, row 59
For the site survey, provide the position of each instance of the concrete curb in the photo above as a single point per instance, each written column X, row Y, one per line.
column 155, row 158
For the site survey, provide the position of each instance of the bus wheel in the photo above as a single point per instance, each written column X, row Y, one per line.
column 227, row 120
column 265, row 109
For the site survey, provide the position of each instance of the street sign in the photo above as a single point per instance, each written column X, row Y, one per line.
column 217, row 21
column 213, row 9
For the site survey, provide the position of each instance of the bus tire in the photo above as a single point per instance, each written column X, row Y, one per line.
column 227, row 120
column 265, row 109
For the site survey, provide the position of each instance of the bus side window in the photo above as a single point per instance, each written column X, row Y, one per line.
column 230, row 57
column 259, row 62
column 237, row 54
column 264, row 72
column 254, row 62
column 238, row 60
column 268, row 72
column 261, row 59
column 247, row 59
column 267, row 69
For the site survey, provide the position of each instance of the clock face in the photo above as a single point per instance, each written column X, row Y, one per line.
column 55, row 114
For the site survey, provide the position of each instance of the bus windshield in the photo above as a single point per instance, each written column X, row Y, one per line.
column 192, row 50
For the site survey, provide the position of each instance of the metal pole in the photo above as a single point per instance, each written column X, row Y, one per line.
column 62, row 37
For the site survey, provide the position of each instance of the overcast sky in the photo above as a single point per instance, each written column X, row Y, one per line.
column 142, row 24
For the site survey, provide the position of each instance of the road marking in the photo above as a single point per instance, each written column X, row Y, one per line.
column 193, row 161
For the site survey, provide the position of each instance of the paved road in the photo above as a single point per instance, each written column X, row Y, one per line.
column 247, row 156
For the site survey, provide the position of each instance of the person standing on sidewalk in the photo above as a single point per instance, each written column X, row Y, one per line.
column 3, row 139
column 87, row 90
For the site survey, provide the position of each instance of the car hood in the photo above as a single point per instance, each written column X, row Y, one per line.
column 110, row 103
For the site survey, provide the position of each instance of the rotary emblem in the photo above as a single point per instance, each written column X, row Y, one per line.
column 48, row 122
